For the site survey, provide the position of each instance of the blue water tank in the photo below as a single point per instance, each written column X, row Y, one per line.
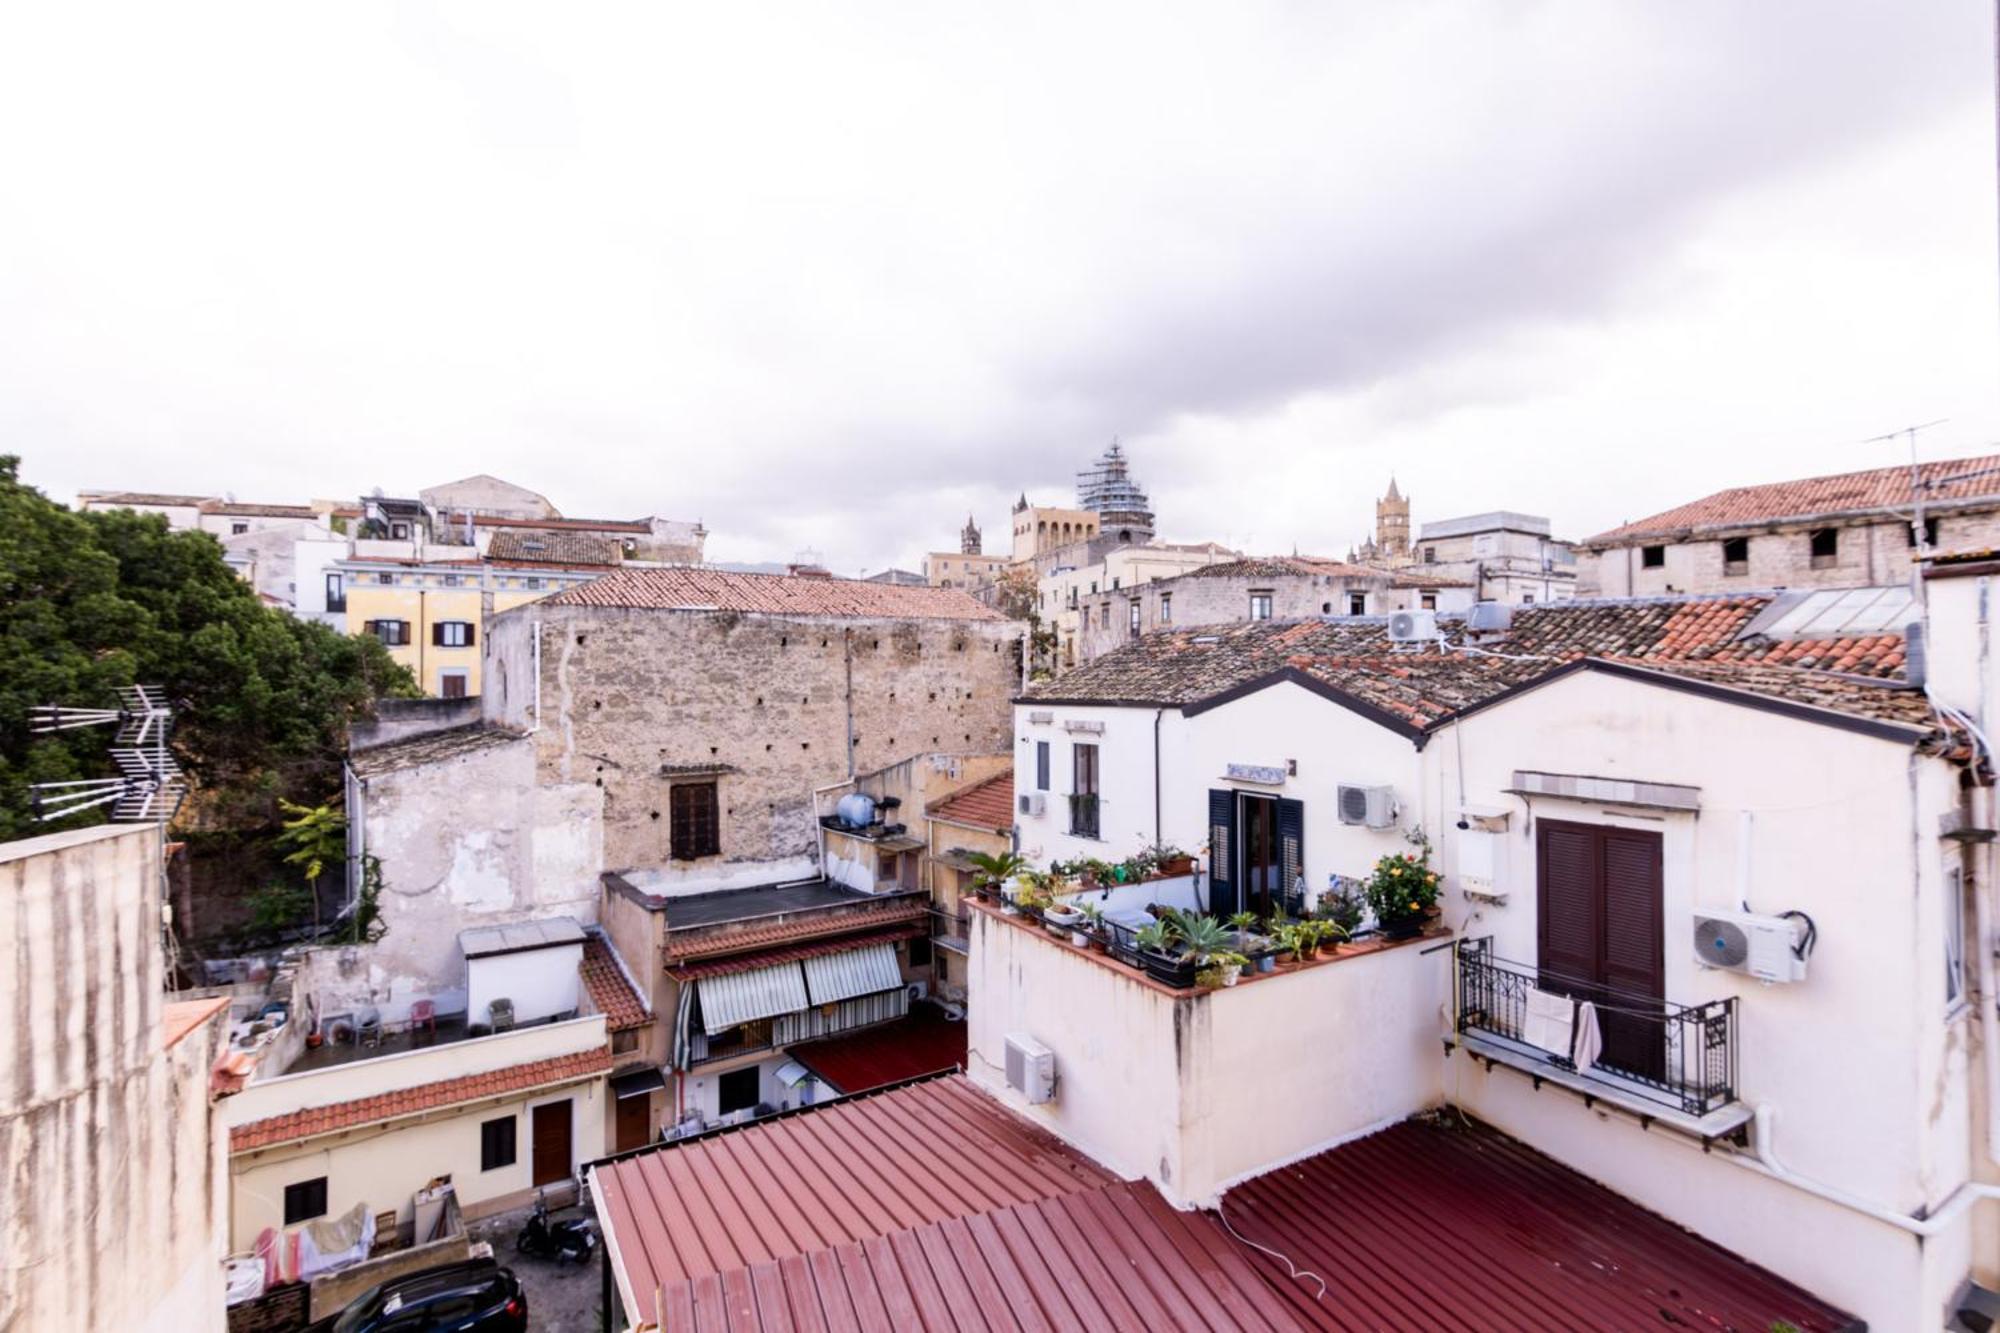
column 855, row 810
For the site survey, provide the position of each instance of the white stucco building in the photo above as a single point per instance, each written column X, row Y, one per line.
column 1590, row 817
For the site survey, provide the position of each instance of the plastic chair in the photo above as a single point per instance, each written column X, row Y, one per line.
column 424, row 1014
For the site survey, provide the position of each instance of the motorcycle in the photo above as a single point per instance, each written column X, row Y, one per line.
column 571, row 1238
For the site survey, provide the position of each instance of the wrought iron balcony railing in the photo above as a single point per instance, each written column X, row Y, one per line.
column 1083, row 815
column 1676, row 1055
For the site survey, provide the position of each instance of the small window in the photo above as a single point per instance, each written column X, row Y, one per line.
column 532, row 582
column 695, row 829
column 1041, row 765
column 1954, row 938
column 1357, row 604
column 1084, row 617
column 1326, row 608
column 1427, row 601
column 1132, row 617
column 385, row 578
column 452, row 634
column 394, row 633
column 496, row 1143
column 1825, row 547
column 399, row 531
column 336, row 592
column 238, row 529
column 1166, row 608
column 1930, row 533
column 1652, row 557
column 1083, row 821
column 626, row 1042
column 736, row 1091
column 1527, row 599
column 305, row 1200
column 1736, row 556
column 1260, row 606
column 920, row 951
column 1430, row 555
column 451, row 580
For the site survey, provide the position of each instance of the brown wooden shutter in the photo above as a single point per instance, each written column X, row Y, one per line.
column 437, row 634
column 1633, row 948
column 1567, row 912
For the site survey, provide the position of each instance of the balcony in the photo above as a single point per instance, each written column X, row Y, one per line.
column 1672, row 1063
column 1083, row 815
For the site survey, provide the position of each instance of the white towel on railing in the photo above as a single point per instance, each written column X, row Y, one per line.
column 1550, row 1021
column 1589, row 1040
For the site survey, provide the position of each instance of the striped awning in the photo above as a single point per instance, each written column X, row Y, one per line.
column 743, row 997
column 833, row 977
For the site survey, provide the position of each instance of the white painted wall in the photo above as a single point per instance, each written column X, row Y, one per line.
column 542, row 983
column 1195, row 1091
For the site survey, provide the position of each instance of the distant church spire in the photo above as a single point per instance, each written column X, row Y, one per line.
column 968, row 538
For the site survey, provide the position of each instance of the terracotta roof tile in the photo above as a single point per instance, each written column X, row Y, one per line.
column 610, row 990
column 687, row 588
column 986, row 805
column 562, row 548
column 713, row 941
column 184, row 1016
column 315, row 1120
column 1879, row 490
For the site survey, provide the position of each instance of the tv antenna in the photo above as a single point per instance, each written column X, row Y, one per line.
column 149, row 786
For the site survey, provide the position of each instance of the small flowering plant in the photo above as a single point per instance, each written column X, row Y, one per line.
column 1402, row 889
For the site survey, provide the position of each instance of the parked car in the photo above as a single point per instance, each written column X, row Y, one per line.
column 477, row 1296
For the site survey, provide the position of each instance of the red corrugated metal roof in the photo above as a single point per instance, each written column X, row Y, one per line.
column 849, row 1171
column 316, row 1120
column 1111, row 1258
column 689, row 588
column 1451, row 1224
column 923, row 1043
column 985, row 805
column 796, row 953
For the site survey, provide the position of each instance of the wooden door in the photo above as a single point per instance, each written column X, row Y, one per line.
column 552, row 1143
column 635, row 1129
column 1599, row 932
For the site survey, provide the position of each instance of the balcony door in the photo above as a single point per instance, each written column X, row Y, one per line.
column 1598, row 931
column 1256, row 851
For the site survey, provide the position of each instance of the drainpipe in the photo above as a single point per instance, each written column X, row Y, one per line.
column 1158, row 713
column 847, row 662
column 1984, row 886
column 535, row 630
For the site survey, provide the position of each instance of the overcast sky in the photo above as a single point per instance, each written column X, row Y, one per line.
column 830, row 276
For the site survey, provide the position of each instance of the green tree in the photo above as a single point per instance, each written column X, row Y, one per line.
column 90, row 602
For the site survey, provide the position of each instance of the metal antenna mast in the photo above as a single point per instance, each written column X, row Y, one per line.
column 149, row 787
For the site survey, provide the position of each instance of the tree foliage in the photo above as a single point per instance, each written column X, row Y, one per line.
column 90, row 602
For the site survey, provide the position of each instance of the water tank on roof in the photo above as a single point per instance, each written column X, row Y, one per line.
column 855, row 810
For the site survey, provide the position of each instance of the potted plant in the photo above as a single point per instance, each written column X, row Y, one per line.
column 1220, row 969
column 1170, row 862
column 1244, row 924
column 1035, row 893
column 1162, row 954
column 1092, row 934
column 1063, row 918
column 1341, row 904
column 1402, row 891
column 990, row 872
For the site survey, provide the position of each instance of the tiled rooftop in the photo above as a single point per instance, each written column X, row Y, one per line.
column 1504, row 1238
column 987, row 805
column 317, row 1120
column 610, row 989
column 430, row 748
column 695, row 589
column 563, row 548
column 1873, row 491
column 1284, row 566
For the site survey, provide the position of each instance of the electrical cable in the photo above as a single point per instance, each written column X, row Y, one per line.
column 1292, row 1268
column 1803, row 949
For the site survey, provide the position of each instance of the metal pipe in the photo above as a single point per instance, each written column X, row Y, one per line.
column 535, row 629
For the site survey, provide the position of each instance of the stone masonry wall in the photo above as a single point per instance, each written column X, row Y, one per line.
column 1869, row 554
column 1205, row 599
column 767, row 707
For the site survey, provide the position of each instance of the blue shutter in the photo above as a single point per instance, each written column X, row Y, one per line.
column 1292, row 853
column 1221, row 852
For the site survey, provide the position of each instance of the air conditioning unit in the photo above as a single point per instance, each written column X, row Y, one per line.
column 1413, row 626
column 1764, row 947
column 1031, row 1069
column 1374, row 807
column 1033, row 803
column 917, row 990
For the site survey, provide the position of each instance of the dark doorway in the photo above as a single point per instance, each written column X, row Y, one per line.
column 1263, row 864
column 552, row 1143
column 634, row 1122
column 1599, row 933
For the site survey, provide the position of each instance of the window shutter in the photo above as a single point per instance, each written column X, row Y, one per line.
column 1292, row 843
column 370, row 627
column 1633, row 949
column 1567, row 923
column 437, row 634
column 470, row 631
column 1221, row 852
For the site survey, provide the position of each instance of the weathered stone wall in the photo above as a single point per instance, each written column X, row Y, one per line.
column 468, row 840
column 1874, row 553
column 1205, row 599
column 768, row 707
column 110, row 1179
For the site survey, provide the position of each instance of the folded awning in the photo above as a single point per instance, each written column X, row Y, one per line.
column 744, row 997
column 833, row 977
column 637, row 1083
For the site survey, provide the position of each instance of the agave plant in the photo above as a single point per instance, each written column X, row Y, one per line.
column 1154, row 938
column 1205, row 935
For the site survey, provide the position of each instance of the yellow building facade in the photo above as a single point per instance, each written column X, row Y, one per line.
column 432, row 615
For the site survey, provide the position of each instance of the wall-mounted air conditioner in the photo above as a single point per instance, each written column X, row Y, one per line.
column 1033, row 803
column 1031, row 1069
column 1413, row 626
column 1374, row 807
column 1765, row 947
